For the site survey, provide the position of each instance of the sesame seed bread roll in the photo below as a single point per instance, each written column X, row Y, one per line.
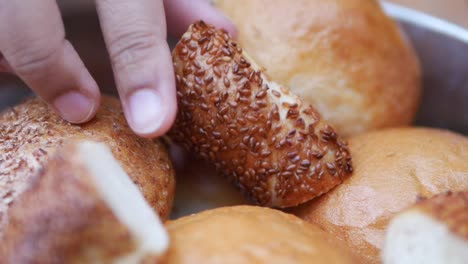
column 83, row 208
column 345, row 57
column 31, row 132
column 276, row 149
column 434, row 231
column 393, row 168
column 250, row 234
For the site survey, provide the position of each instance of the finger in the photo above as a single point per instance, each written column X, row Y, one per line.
column 182, row 13
column 135, row 34
column 32, row 40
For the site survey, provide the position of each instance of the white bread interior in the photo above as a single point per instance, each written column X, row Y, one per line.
column 125, row 200
column 83, row 208
column 414, row 237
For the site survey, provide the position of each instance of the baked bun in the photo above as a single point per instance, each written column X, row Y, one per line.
column 345, row 57
column 31, row 132
column 275, row 148
column 199, row 187
column 393, row 168
column 248, row 234
column 83, row 208
column 434, row 231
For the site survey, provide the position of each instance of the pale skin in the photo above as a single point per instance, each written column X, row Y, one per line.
column 33, row 46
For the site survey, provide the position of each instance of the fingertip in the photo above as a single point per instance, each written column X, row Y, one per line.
column 220, row 20
column 81, row 104
column 182, row 13
column 76, row 107
column 231, row 28
column 149, row 113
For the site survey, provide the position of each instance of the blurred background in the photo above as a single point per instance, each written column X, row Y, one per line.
column 455, row 11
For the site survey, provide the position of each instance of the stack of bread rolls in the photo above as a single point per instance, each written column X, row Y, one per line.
column 300, row 114
column 83, row 208
column 93, row 193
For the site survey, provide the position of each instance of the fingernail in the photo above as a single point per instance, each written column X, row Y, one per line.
column 233, row 31
column 74, row 107
column 228, row 24
column 145, row 110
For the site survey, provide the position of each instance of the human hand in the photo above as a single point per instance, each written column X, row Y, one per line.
column 33, row 46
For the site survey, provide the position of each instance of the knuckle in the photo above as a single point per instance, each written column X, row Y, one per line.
column 129, row 48
column 35, row 59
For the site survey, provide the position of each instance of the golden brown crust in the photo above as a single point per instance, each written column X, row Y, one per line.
column 31, row 132
column 62, row 218
column 392, row 168
column 450, row 208
column 249, row 234
column 346, row 57
column 276, row 149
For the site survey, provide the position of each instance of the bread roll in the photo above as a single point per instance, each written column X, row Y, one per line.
column 346, row 57
column 83, row 208
column 248, row 234
column 435, row 231
column 393, row 168
column 275, row 148
column 31, row 132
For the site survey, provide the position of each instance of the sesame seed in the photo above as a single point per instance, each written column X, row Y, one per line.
column 203, row 39
column 226, row 82
column 276, row 93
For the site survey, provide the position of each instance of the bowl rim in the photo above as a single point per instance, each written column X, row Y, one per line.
column 424, row 20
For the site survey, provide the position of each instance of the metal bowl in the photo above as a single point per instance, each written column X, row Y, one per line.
column 441, row 46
